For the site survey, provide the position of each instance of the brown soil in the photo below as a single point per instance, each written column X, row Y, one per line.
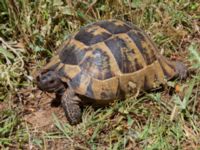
column 38, row 109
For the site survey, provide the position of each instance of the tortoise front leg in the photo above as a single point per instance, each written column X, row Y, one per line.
column 57, row 100
column 70, row 103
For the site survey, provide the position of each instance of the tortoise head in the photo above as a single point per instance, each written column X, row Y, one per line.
column 48, row 79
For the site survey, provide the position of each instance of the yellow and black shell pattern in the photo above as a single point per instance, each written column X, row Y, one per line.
column 102, row 58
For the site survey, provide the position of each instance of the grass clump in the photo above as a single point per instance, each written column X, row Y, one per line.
column 11, row 130
column 11, row 68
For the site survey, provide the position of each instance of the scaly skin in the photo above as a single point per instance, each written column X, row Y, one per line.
column 181, row 70
column 70, row 103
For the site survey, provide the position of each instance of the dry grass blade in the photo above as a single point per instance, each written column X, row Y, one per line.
column 14, row 51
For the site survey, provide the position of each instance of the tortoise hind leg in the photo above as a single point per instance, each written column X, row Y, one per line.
column 70, row 103
column 133, row 89
column 173, row 68
column 180, row 69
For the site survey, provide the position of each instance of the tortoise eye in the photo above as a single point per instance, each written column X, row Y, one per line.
column 48, row 74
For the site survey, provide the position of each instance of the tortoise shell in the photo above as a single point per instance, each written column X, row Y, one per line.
column 102, row 58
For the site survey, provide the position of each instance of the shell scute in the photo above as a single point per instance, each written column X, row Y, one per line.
column 142, row 45
column 73, row 52
column 124, row 55
column 97, row 64
column 114, row 26
column 92, row 35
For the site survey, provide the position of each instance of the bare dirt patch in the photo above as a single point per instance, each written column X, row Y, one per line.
column 38, row 109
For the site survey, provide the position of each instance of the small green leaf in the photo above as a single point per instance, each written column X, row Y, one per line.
column 182, row 104
column 37, row 142
column 6, row 53
column 194, row 55
column 136, row 3
column 130, row 121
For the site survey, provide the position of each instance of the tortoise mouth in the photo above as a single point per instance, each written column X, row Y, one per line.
column 44, row 88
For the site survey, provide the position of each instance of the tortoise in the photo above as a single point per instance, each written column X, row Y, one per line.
column 102, row 62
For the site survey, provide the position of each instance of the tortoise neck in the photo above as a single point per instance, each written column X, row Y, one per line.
column 60, row 90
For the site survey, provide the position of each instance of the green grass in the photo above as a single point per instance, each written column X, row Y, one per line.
column 30, row 33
